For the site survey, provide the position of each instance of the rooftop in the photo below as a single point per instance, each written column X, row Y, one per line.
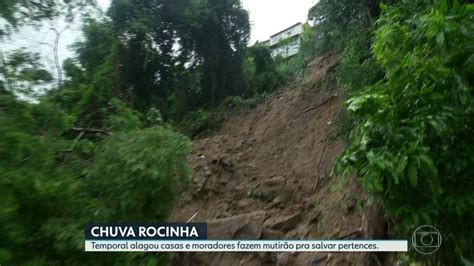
column 297, row 24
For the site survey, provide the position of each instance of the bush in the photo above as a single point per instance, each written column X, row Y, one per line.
column 358, row 67
column 136, row 177
column 412, row 145
column 139, row 174
column 123, row 117
column 237, row 103
column 200, row 121
column 47, row 197
column 260, row 70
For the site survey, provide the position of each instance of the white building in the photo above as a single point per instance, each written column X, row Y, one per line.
column 286, row 42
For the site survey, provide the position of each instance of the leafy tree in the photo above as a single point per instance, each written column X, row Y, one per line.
column 411, row 145
column 260, row 69
column 53, row 181
column 95, row 49
column 19, row 13
column 219, row 32
column 336, row 19
column 23, row 73
column 92, row 79
column 47, row 193
column 169, row 52
column 143, row 187
column 347, row 27
column 146, row 57
column 30, row 189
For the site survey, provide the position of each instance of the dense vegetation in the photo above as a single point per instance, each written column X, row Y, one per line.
column 99, row 146
column 102, row 143
column 408, row 70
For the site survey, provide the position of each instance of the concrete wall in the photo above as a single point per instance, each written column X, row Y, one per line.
column 291, row 32
column 287, row 50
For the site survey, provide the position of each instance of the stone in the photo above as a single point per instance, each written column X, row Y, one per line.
column 268, row 233
column 284, row 196
column 246, row 226
column 275, row 181
column 284, row 223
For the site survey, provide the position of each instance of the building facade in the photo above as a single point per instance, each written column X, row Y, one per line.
column 287, row 42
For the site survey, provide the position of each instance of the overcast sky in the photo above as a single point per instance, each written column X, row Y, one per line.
column 271, row 16
column 266, row 16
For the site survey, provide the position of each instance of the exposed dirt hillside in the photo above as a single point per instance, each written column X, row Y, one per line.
column 267, row 174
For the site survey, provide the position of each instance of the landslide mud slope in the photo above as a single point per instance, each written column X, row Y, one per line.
column 266, row 174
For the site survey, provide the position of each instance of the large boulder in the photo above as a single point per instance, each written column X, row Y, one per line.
column 284, row 223
column 246, row 226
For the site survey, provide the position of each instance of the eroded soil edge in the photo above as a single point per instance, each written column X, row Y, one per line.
column 267, row 174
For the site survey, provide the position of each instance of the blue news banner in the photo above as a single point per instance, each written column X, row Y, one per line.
column 192, row 237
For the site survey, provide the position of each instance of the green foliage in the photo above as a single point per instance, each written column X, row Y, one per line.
column 208, row 121
column 170, row 51
column 335, row 20
column 343, row 124
column 260, row 70
column 200, row 121
column 49, row 119
column 346, row 27
column 294, row 66
column 31, row 190
column 410, row 110
column 23, row 74
column 412, row 144
column 33, row 12
column 47, row 196
column 144, row 186
column 219, row 31
column 123, row 118
column 358, row 67
column 151, row 62
column 158, row 55
column 239, row 104
column 94, row 51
